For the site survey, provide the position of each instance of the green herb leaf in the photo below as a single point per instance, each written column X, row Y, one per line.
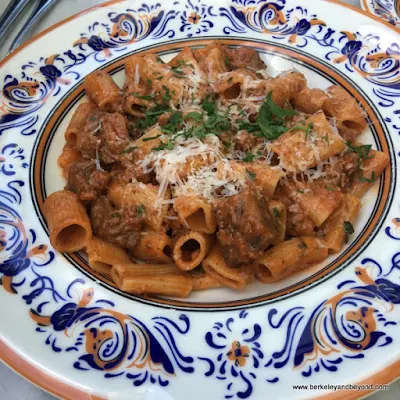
column 194, row 115
column 270, row 120
column 275, row 110
column 348, row 230
column 369, row 180
column 116, row 215
column 362, row 151
column 228, row 144
column 151, row 138
column 302, row 245
column 149, row 81
column 249, row 157
column 129, row 150
column 251, row 174
column 328, row 187
column 276, row 212
column 307, row 129
column 147, row 97
column 299, row 191
column 140, row 209
column 164, row 146
column 209, row 106
column 227, row 62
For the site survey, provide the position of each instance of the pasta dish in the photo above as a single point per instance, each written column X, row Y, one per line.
column 206, row 172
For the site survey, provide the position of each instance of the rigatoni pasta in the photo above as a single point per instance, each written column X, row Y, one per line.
column 102, row 255
column 152, row 279
column 68, row 222
column 103, row 91
column 190, row 249
column 206, row 172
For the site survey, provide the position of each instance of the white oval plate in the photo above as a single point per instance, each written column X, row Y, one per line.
column 76, row 335
column 388, row 10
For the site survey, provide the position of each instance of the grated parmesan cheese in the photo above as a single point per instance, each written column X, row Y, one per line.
column 216, row 176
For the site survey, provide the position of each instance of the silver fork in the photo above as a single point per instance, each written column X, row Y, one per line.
column 40, row 9
column 10, row 14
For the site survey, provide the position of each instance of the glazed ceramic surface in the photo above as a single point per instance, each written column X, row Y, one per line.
column 388, row 10
column 77, row 335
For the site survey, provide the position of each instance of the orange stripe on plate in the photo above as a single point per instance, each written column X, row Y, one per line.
column 278, row 50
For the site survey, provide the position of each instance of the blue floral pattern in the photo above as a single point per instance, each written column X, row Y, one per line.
column 196, row 18
column 12, row 157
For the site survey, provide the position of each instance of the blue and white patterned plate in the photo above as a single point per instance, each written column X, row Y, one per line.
column 388, row 10
column 77, row 336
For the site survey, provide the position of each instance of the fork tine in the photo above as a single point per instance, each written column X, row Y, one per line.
column 10, row 14
column 40, row 9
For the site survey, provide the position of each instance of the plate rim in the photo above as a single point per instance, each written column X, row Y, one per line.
column 372, row 12
column 59, row 388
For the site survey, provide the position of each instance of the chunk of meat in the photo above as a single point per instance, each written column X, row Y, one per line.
column 246, row 141
column 341, row 171
column 121, row 227
column 114, row 136
column 246, row 228
column 244, row 57
column 104, row 136
column 86, row 180
column 87, row 139
column 128, row 171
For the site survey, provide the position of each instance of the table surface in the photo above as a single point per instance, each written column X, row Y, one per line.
column 12, row 386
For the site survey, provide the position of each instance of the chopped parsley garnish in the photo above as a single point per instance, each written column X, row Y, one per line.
column 140, row 209
column 299, row 191
column 172, row 125
column 164, row 146
column 328, row 187
column 182, row 63
column 230, row 80
column 249, row 157
column 116, row 215
column 348, row 230
column 302, row 245
column 307, row 129
column 270, row 120
column 369, row 180
column 194, row 115
column 149, row 81
column 129, row 150
column 151, row 138
column 362, row 153
column 251, row 174
column 228, row 144
column 177, row 70
column 227, row 62
column 147, row 97
column 153, row 113
column 209, row 106
column 276, row 212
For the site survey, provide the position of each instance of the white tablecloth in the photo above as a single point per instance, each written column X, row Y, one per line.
column 12, row 386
